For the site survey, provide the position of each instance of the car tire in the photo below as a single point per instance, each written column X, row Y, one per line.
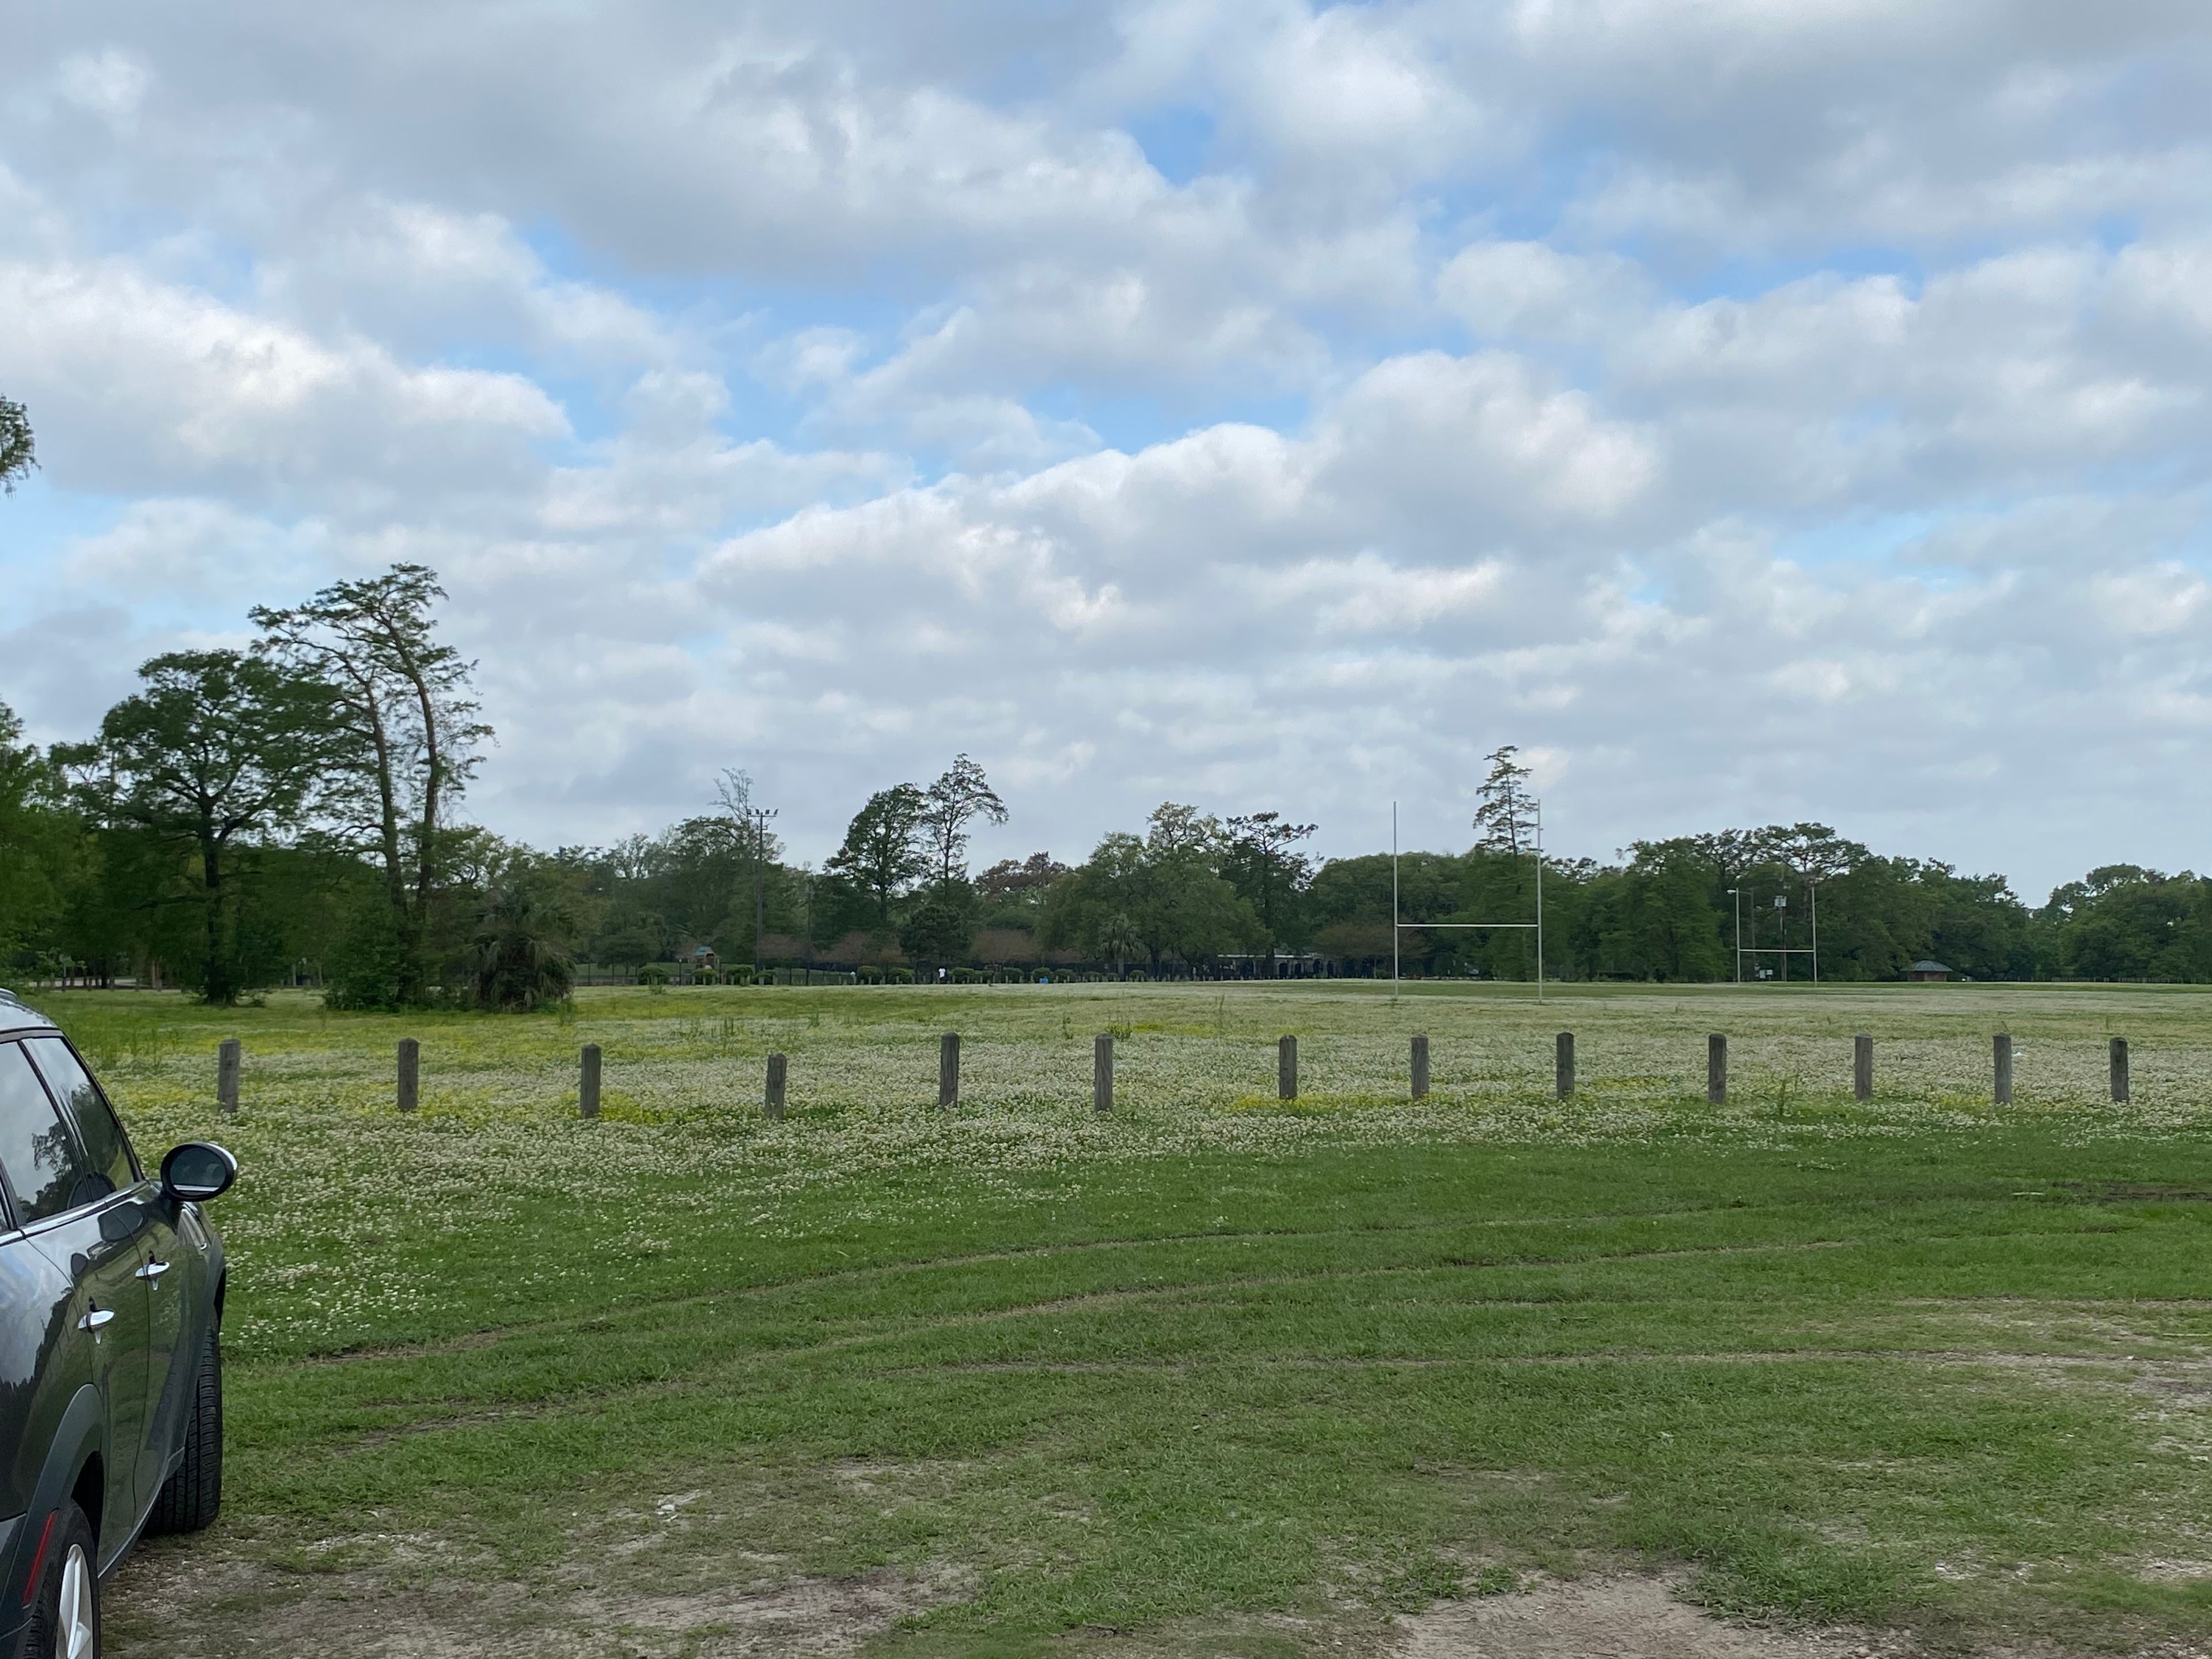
column 65, row 1601
column 191, row 1499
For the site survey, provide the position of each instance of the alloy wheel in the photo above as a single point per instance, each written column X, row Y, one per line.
column 80, row 1635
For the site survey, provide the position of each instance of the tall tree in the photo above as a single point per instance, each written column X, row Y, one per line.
column 1020, row 877
column 1186, row 909
column 1162, row 894
column 1262, row 862
column 882, row 854
column 18, row 450
column 937, row 931
column 37, row 838
column 410, row 712
column 1668, row 927
column 1812, row 850
column 219, row 748
column 954, row 801
column 1505, row 821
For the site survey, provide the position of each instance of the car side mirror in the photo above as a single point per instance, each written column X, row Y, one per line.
column 197, row 1171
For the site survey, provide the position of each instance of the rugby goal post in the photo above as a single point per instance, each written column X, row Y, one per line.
column 1398, row 927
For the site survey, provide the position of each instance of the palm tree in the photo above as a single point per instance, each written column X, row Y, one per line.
column 517, row 957
column 1117, row 938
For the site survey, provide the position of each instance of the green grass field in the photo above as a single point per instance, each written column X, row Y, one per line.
column 1216, row 1375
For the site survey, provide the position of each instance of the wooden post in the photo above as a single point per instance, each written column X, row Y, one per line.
column 587, row 1085
column 226, row 1077
column 1563, row 1066
column 1287, row 1068
column 1420, row 1068
column 1102, row 1073
column 779, row 1071
column 1717, row 1069
column 1862, row 1066
column 948, row 1069
column 411, row 1074
column 2120, row 1071
column 2001, row 1052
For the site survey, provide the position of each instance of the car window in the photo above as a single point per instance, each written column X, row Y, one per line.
column 38, row 1150
column 106, row 1148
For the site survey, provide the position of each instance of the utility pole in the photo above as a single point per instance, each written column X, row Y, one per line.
column 760, row 816
column 1736, row 893
column 735, row 795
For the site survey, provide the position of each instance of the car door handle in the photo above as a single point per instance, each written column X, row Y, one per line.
column 153, row 1270
column 95, row 1319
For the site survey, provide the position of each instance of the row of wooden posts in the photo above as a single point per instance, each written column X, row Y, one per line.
column 1102, row 1072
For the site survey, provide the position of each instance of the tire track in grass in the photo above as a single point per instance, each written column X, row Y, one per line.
column 668, row 1388
column 488, row 1336
column 910, row 1328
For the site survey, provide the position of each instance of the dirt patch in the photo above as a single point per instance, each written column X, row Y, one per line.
column 805, row 1616
column 1616, row 1619
column 376, row 1617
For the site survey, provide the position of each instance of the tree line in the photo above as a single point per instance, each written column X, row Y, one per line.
column 292, row 811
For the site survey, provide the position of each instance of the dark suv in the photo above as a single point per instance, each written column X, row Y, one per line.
column 111, row 1380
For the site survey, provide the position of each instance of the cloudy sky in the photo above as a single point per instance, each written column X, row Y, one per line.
column 1756, row 409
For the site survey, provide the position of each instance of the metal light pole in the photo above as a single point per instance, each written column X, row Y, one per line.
column 1394, row 901
column 760, row 816
column 1736, row 893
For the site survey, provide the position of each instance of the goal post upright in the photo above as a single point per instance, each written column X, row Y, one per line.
column 1540, row 901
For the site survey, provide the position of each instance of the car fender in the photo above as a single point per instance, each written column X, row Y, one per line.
column 191, row 1224
column 82, row 1434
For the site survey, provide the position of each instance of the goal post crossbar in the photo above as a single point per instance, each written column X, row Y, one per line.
column 1535, row 927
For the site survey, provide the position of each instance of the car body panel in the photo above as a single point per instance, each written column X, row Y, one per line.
column 34, row 1303
column 100, row 1251
column 170, row 1297
column 67, row 1395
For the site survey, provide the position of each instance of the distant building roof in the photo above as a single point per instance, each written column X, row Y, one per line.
column 1929, row 968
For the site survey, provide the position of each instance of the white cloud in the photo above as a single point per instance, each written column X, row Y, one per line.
column 420, row 277
column 142, row 383
column 110, row 84
column 1367, row 594
column 191, row 550
column 1758, row 409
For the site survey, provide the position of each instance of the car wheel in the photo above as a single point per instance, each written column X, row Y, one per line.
column 190, row 1498
column 65, row 1600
